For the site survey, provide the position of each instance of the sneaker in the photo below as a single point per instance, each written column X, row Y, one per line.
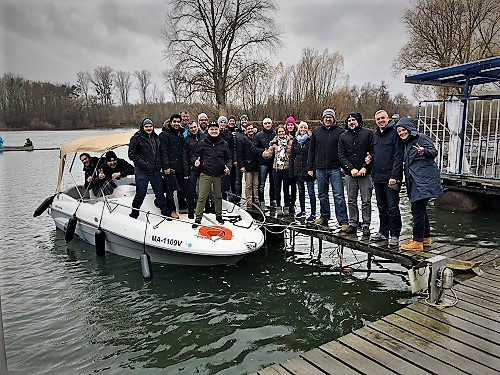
column 344, row 227
column 191, row 215
column 196, row 223
column 378, row 237
column 311, row 218
column 300, row 215
column 366, row 231
column 413, row 245
column 321, row 221
column 174, row 215
column 394, row 241
column 286, row 211
column 274, row 204
column 219, row 219
column 427, row 242
column 351, row 229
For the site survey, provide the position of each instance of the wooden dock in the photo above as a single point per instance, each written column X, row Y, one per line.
column 419, row 339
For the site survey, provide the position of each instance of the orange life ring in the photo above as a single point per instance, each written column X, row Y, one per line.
column 215, row 231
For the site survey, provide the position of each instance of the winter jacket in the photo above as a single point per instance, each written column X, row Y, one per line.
column 387, row 156
column 214, row 156
column 298, row 160
column 172, row 142
column 245, row 157
column 95, row 164
column 421, row 172
column 323, row 151
column 260, row 143
column 122, row 166
column 354, row 144
column 145, row 152
column 191, row 143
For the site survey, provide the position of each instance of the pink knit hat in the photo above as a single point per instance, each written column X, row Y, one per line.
column 290, row 120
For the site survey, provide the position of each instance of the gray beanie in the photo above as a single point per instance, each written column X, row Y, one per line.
column 221, row 118
column 327, row 112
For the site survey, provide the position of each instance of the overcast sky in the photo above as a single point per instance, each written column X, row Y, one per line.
column 53, row 40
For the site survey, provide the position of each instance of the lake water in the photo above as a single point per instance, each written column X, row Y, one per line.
column 65, row 311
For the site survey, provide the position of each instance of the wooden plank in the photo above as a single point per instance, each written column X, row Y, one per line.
column 299, row 366
column 381, row 356
column 478, row 293
column 491, row 264
column 482, row 280
column 273, row 370
column 482, row 287
column 476, row 309
column 493, row 306
column 327, row 363
column 431, row 348
column 347, row 355
column 409, row 352
column 486, row 258
column 490, row 276
column 452, row 331
column 445, row 316
column 445, row 336
column 493, row 271
column 475, row 253
column 457, row 251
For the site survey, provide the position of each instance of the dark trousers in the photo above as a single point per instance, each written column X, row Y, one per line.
column 281, row 177
column 181, row 195
column 191, row 195
column 141, row 188
column 264, row 171
column 388, row 210
column 302, row 195
column 293, row 192
column 421, row 226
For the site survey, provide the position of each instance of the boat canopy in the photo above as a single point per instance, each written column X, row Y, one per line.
column 464, row 75
column 96, row 143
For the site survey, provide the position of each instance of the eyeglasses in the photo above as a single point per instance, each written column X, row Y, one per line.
column 267, row 123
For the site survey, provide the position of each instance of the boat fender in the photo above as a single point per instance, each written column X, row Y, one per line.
column 147, row 272
column 70, row 229
column 100, row 240
column 43, row 206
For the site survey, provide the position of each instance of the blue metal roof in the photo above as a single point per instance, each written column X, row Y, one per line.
column 477, row 72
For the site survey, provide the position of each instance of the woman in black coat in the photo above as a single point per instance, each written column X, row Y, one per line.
column 422, row 180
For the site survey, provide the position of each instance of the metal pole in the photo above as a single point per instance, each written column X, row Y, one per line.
column 464, row 123
column 3, row 355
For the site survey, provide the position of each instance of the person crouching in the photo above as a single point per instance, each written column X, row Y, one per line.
column 213, row 158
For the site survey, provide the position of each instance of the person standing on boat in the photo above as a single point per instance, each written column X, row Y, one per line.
column 354, row 144
column 423, row 180
column 323, row 156
column 214, row 160
column 191, row 173
column 248, row 164
column 387, row 173
column 145, row 152
column 113, row 169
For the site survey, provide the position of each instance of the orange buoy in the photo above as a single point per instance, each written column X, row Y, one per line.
column 215, row 231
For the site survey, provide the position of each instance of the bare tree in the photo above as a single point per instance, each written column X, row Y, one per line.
column 102, row 79
column 123, row 84
column 209, row 42
column 449, row 32
column 143, row 82
column 83, row 86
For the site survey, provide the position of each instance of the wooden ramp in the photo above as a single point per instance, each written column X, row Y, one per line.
column 419, row 339
column 458, row 256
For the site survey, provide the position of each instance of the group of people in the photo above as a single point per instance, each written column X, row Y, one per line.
column 205, row 162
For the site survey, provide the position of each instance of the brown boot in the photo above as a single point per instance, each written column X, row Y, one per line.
column 174, row 215
column 427, row 242
column 413, row 245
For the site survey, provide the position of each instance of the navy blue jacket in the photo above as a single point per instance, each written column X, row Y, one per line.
column 323, row 152
column 387, row 155
column 261, row 142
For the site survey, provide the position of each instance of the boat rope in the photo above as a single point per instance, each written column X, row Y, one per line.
column 442, row 306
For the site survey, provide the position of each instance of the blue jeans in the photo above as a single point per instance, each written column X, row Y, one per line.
column 331, row 177
column 281, row 177
column 141, row 188
column 302, row 195
column 388, row 210
column 264, row 170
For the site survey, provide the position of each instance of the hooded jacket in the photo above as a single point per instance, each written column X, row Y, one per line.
column 145, row 152
column 323, row 152
column 421, row 172
column 387, row 155
column 354, row 144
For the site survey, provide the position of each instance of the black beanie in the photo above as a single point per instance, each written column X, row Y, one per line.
column 355, row 115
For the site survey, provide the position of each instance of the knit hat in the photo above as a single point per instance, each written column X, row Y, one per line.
column 267, row 119
column 355, row 115
column 243, row 117
column 145, row 121
column 231, row 117
column 328, row 112
column 290, row 120
column 202, row 115
column 213, row 124
column 222, row 118
column 110, row 155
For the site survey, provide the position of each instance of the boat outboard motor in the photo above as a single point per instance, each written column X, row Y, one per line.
column 44, row 205
column 147, row 272
column 70, row 229
column 100, row 242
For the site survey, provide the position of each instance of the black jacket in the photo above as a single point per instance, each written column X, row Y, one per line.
column 145, row 153
column 261, row 142
column 171, row 146
column 298, row 160
column 323, row 152
column 191, row 143
column 245, row 156
column 387, row 155
column 92, row 169
column 122, row 166
column 214, row 156
column 353, row 147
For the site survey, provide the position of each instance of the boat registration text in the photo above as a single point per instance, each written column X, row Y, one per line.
column 167, row 241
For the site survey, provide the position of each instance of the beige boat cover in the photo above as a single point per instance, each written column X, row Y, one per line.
column 95, row 143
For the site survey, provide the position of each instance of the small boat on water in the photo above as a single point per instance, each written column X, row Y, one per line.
column 16, row 148
column 105, row 223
